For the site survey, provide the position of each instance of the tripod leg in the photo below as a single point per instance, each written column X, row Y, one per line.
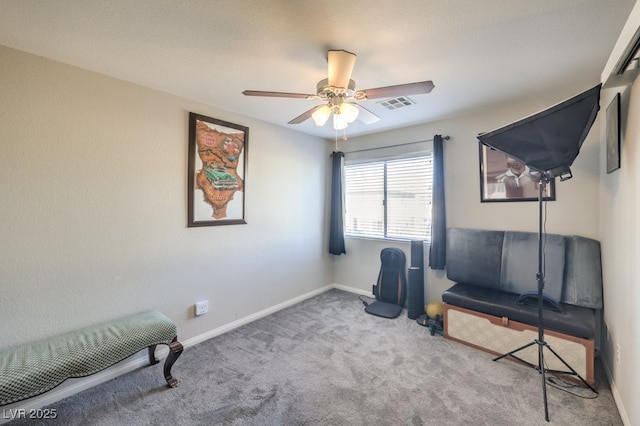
column 574, row 372
column 542, row 378
column 514, row 351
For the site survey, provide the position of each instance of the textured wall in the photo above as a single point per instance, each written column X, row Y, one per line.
column 93, row 210
column 619, row 208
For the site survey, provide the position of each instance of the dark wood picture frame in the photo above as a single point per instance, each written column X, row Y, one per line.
column 499, row 180
column 217, row 172
column 613, row 134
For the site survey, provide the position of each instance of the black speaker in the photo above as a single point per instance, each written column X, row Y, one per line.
column 417, row 254
column 415, row 284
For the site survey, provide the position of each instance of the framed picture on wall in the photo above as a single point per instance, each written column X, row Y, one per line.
column 613, row 134
column 217, row 172
column 503, row 178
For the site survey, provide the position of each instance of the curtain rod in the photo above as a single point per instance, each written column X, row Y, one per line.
column 446, row 138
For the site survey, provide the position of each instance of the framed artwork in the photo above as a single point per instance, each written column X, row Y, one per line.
column 503, row 178
column 217, row 172
column 613, row 134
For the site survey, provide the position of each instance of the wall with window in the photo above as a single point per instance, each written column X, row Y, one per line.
column 575, row 210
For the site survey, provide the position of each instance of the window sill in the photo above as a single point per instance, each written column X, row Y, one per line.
column 370, row 238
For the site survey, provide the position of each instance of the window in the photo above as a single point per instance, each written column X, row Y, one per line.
column 389, row 198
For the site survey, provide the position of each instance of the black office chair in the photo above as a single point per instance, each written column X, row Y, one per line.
column 390, row 289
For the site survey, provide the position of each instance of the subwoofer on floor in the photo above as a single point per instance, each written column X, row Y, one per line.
column 417, row 253
column 415, row 293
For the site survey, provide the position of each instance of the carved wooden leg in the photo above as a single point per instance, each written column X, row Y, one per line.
column 175, row 349
column 152, row 355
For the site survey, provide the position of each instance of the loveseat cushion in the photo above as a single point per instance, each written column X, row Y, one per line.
column 520, row 263
column 474, row 256
column 574, row 320
column 583, row 273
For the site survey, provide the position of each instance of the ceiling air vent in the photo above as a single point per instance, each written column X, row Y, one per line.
column 395, row 103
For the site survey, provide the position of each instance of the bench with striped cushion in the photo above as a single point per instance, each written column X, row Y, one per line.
column 35, row 368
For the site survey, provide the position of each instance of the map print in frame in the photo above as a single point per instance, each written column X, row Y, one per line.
column 217, row 177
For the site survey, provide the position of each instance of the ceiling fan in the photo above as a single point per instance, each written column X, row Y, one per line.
column 338, row 92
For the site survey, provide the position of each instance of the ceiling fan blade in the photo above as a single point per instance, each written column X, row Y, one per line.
column 399, row 90
column 278, row 94
column 305, row 115
column 366, row 116
column 341, row 65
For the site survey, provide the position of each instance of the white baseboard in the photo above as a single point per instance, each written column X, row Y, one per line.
column 616, row 394
column 73, row 386
column 250, row 318
column 352, row 289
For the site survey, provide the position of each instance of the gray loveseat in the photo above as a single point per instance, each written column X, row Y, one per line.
column 493, row 269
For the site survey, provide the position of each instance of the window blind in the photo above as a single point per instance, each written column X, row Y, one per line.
column 389, row 198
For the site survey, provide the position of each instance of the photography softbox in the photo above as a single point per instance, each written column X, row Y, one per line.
column 550, row 140
column 547, row 142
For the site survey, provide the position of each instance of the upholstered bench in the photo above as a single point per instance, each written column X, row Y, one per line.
column 493, row 304
column 35, row 368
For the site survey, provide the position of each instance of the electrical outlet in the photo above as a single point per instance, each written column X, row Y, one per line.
column 201, row 307
column 618, row 354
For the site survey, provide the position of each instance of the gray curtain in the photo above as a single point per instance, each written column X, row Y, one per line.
column 336, row 227
column 437, row 250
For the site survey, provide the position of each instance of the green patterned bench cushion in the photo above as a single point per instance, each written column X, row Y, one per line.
column 34, row 368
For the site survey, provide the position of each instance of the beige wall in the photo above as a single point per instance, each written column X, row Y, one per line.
column 620, row 236
column 93, row 208
column 619, row 207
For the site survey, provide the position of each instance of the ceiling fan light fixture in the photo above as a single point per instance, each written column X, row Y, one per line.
column 349, row 111
column 321, row 115
column 340, row 121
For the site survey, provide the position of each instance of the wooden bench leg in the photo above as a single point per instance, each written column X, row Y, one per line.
column 152, row 355
column 175, row 349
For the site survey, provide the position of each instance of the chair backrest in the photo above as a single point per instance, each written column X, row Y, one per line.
column 392, row 282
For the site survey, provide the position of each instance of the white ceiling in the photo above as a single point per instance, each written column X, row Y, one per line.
column 477, row 52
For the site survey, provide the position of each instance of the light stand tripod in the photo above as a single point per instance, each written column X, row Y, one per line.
column 540, row 340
